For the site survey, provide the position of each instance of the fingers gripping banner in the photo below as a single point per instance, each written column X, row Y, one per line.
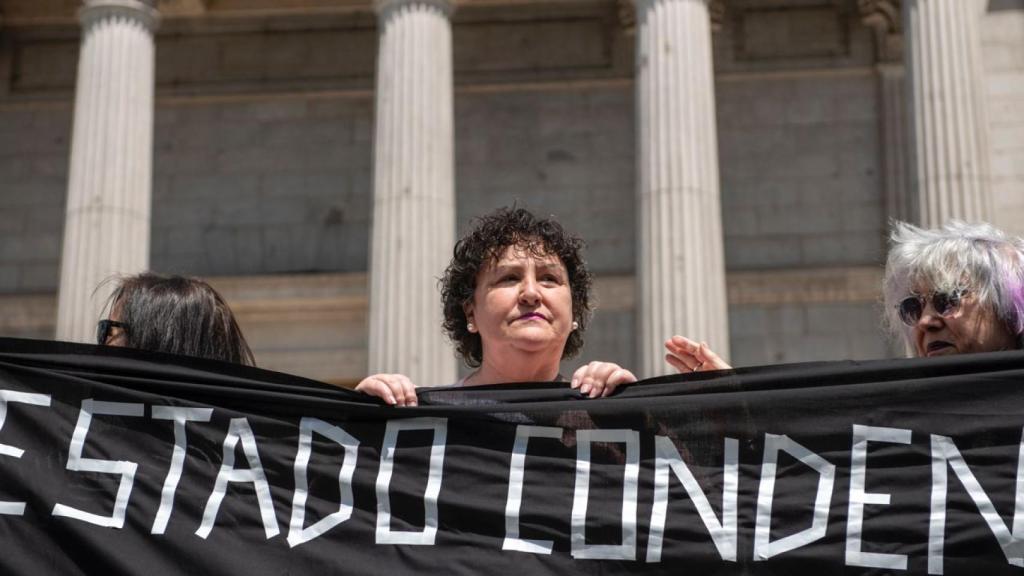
column 123, row 462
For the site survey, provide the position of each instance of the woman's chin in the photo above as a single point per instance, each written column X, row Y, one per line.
column 537, row 341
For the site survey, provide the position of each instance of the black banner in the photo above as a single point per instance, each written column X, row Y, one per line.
column 123, row 462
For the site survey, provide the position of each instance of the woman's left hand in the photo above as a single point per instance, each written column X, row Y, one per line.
column 686, row 356
column 599, row 379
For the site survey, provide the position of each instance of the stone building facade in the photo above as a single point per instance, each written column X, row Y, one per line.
column 732, row 164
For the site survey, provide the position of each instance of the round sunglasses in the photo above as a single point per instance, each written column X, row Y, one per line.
column 945, row 304
column 103, row 330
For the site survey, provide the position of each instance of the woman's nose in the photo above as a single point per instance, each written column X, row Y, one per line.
column 529, row 292
column 929, row 317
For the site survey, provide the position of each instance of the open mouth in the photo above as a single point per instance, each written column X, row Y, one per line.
column 938, row 346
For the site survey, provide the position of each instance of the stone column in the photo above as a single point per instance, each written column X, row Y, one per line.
column 949, row 174
column 414, row 191
column 106, row 228
column 681, row 275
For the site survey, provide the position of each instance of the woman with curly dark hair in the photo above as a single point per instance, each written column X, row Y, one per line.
column 516, row 299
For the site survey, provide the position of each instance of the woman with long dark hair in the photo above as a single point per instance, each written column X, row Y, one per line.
column 173, row 314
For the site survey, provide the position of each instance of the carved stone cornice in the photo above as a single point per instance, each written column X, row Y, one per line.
column 173, row 8
column 884, row 19
column 716, row 9
column 627, row 14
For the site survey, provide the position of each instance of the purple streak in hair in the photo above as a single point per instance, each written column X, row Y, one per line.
column 1015, row 290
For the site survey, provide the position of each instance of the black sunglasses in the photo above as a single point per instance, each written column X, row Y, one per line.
column 103, row 330
column 945, row 304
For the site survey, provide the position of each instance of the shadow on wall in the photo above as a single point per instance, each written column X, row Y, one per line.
column 1000, row 5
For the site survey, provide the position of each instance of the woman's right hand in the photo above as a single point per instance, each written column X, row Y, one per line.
column 395, row 389
column 685, row 355
column 599, row 379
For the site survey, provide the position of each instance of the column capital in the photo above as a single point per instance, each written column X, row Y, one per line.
column 141, row 11
column 885, row 19
column 385, row 7
column 628, row 10
column 980, row 5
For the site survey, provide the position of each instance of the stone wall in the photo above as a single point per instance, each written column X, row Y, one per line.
column 284, row 185
column 802, row 196
column 799, row 157
column 806, row 332
column 271, row 186
column 567, row 153
column 34, row 146
column 1003, row 50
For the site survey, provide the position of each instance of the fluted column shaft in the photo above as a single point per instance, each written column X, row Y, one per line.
column 106, row 229
column 681, row 276
column 949, row 134
column 414, row 191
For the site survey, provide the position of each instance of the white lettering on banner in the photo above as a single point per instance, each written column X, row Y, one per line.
column 724, row 533
column 296, row 533
column 515, row 490
column 764, row 548
column 76, row 463
column 944, row 456
column 858, row 497
column 626, row 550
column 668, row 462
column 180, row 416
column 426, row 536
column 7, row 507
column 239, row 429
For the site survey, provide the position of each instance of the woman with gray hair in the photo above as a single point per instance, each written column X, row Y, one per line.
column 955, row 290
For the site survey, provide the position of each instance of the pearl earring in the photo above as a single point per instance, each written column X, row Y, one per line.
column 470, row 327
column 575, row 325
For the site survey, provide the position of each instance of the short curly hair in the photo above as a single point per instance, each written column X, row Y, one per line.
column 484, row 245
